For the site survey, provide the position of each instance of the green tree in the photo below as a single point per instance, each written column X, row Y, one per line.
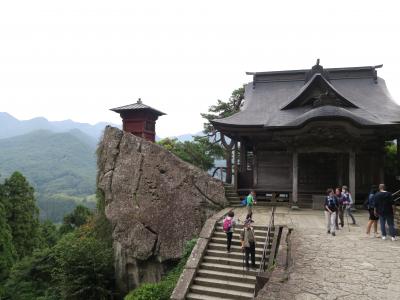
column 48, row 234
column 21, row 213
column 31, row 278
column 7, row 251
column 77, row 218
column 199, row 152
column 221, row 110
column 84, row 265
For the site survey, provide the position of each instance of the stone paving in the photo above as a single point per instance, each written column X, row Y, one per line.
column 348, row 266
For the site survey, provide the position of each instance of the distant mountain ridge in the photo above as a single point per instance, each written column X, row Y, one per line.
column 60, row 165
column 11, row 126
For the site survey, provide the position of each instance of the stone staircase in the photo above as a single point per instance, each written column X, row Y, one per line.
column 221, row 275
column 232, row 196
column 234, row 199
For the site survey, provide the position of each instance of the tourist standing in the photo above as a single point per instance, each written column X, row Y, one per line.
column 228, row 227
column 347, row 201
column 250, row 201
column 340, row 210
column 384, row 208
column 331, row 206
column 373, row 219
column 248, row 241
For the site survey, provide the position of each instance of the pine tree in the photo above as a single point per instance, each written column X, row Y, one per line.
column 21, row 213
column 7, row 252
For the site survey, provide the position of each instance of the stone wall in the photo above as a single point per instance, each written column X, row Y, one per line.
column 155, row 202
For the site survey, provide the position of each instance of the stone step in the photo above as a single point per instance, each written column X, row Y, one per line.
column 232, row 254
column 194, row 296
column 227, row 268
column 234, row 248
column 218, row 240
column 231, row 193
column 219, row 292
column 227, row 261
column 227, row 276
column 237, row 229
column 236, row 236
column 233, row 199
column 240, row 226
column 225, row 284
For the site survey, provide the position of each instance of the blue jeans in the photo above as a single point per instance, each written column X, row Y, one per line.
column 390, row 221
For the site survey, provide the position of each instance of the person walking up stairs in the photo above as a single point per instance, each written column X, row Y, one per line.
column 222, row 275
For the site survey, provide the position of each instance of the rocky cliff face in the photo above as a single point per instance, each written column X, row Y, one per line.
column 155, row 202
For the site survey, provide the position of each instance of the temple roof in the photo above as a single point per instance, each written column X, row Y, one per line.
column 137, row 106
column 292, row 98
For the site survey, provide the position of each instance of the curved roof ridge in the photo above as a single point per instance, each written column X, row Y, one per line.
column 328, row 111
column 317, row 76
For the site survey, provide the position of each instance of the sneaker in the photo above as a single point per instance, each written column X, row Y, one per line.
column 328, row 232
column 376, row 235
column 394, row 238
column 333, row 234
column 384, row 238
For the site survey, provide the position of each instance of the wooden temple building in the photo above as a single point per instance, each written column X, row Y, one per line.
column 302, row 131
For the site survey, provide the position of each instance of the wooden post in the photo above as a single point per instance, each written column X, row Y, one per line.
column 382, row 168
column 352, row 174
column 255, row 167
column 340, row 169
column 295, row 171
column 243, row 158
column 398, row 158
column 236, row 168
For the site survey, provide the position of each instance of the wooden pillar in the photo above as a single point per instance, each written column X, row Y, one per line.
column 236, row 167
column 255, row 167
column 243, row 158
column 295, row 172
column 398, row 158
column 352, row 174
column 382, row 167
column 340, row 169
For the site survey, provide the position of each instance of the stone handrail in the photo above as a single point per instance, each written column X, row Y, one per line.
column 193, row 262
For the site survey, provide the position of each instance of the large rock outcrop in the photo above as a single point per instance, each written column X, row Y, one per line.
column 155, row 202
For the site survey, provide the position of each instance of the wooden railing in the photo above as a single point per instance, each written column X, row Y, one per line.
column 267, row 242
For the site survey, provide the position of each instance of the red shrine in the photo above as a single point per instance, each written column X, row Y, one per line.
column 139, row 119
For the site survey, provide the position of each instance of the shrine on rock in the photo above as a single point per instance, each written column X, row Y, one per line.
column 139, row 119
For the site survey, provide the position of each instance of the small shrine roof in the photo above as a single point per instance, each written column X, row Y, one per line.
column 137, row 106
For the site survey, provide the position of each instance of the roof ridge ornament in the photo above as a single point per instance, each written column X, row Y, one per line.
column 317, row 69
column 139, row 101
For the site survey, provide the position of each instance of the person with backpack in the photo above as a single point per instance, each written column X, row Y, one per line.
column 228, row 227
column 373, row 219
column 347, row 201
column 340, row 211
column 248, row 241
column 251, row 200
column 384, row 208
column 331, row 206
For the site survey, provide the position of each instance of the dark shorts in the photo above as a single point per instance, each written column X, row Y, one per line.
column 372, row 216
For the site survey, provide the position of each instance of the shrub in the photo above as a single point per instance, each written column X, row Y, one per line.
column 163, row 289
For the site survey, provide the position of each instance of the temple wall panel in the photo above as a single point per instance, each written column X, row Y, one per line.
column 274, row 170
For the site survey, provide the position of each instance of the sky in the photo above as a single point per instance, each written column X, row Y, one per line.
column 77, row 59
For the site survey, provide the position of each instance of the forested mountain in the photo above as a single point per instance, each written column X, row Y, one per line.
column 60, row 166
column 10, row 126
